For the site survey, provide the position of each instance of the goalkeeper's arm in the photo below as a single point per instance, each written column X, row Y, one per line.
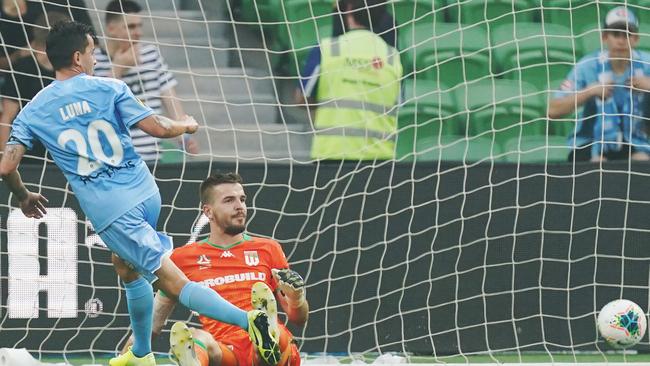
column 291, row 295
column 162, row 308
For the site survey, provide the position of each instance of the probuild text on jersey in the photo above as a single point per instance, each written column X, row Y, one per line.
column 239, row 277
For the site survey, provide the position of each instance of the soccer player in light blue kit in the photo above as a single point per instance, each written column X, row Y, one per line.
column 84, row 123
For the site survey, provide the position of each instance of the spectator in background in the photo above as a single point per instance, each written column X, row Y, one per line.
column 142, row 68
column 611, row 87
column 30, row 75
column 17, row 19
column 381, row 22
column 355, row 82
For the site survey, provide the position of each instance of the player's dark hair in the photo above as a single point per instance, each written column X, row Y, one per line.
column 117, row 8
column 64, row 40
column 363, row 11
column 215, row 180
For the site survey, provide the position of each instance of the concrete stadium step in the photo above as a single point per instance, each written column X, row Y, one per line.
column 183, row 23
column 216, row 83
column 165, row 18
column 145, row 4
column 236, row 111
column 193, row 53
column 255, row 143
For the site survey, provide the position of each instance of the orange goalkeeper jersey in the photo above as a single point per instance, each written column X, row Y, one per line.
column 231, row 271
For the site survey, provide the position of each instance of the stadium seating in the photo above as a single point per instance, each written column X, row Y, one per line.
column 170, row 152
column 490, row 13
column 408, row 12
column 563, row 126
column 444, row 52
column 454, row 148
column 533, row 52
column 578, row 15
column 264, row 12
column 503, row 108
column 536, row 149
column 429, row 111
column 303, row 24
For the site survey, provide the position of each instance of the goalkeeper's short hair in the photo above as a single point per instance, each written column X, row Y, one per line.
column 215, row 180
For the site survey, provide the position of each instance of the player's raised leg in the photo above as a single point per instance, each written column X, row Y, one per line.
column 209, row 303
column 263, row 299
column 206, row 351
column 182, row 347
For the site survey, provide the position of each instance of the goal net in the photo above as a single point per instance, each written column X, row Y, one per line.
column 478, row 239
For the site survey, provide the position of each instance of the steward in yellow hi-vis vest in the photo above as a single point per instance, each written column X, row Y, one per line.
column 356, row 97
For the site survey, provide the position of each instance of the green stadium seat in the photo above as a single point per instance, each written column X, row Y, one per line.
column 563, row 126
column 536, row 149
column 303, row 24
column 429, row 110
column 170, row 152
column 491, row 13
column 444, row 52
column 265, row 12
column 533, row 52
column 578, row 15
column 590, row 40
column 408, row 12
column 502, row 108
column 455, row 148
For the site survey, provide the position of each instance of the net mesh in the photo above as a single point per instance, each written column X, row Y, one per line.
column 477, row 238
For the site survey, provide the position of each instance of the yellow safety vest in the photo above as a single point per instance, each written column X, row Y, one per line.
column 358, row 89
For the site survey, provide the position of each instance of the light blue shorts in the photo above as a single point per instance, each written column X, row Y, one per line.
column 133, row 237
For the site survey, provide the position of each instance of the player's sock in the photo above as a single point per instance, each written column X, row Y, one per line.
column 201, row 351
column 209, row 303
column 139, row 298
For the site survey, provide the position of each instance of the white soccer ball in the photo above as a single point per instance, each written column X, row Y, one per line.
column 622, row 323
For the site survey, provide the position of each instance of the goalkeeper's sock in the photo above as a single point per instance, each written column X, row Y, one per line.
column 209, row 303
column 139, row 298
column 202, row 355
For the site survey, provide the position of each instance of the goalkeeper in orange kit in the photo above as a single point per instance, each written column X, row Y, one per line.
column 249, row 272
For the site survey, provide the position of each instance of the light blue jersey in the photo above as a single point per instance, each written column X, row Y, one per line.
column 621, row 116
column 84, row 122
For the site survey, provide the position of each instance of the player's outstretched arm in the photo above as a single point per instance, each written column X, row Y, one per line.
column 163, row 127
column 32, row 204
column 291, row 295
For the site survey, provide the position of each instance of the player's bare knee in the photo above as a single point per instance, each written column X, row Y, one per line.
column 123, row 270
column 214, row 351
column 170, row 279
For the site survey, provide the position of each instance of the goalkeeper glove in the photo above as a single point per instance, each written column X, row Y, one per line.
column 291, row 285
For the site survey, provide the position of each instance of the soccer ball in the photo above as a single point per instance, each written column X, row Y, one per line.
column 622, row 323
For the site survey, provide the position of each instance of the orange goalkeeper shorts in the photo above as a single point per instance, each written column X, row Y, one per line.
column 244, row 353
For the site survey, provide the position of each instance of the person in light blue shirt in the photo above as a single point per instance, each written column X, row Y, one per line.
column 84, row 122
column 610, row 86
